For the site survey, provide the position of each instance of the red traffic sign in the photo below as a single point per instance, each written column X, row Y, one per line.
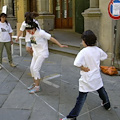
column 114, row 9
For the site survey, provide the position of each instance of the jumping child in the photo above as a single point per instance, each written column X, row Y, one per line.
column 39, row 42
column 29, row 18
column 88, row 60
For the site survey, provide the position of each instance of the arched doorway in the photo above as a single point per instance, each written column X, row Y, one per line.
column 63, row 14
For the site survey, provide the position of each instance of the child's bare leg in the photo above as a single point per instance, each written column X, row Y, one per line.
column 37, row 82
column 29, row 50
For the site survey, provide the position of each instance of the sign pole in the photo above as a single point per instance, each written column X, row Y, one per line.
column 114, row 42
column 114, row 13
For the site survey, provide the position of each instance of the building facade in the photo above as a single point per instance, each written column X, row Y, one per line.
column 59, row 14
column 96, row 18
column 76, row 15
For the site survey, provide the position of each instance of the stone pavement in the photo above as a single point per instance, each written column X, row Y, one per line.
column 59, row 91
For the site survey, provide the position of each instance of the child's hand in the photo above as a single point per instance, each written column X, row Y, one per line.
column 17, row 39
column 63, row 46
column 85, row 69
column 11, row 42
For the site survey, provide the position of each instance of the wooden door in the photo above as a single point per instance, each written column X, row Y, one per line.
column 63, row 14
column 33, row 5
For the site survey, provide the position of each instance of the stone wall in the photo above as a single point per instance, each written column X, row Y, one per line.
column 98, row 20
column 118, row 40
column 106, row 32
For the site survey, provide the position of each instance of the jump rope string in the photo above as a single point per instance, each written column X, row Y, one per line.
column 45, row 101
column 34, row 93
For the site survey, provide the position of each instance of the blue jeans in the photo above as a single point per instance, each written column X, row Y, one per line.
column 81, row 100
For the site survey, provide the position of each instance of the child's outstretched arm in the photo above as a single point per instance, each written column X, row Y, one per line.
column 19, row 34
column 85, row 69
column 56, row 42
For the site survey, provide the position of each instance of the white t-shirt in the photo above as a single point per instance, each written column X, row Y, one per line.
column 41, row 47
column 5, row 29
column 22, row 28
column 90, row 57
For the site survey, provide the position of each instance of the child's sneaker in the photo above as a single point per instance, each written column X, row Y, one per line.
column 31, row 86
column 67, row 118
column 34, row 90
column 106, row 105
column 12, row 65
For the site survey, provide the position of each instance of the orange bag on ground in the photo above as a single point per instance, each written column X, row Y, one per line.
column 109, row 70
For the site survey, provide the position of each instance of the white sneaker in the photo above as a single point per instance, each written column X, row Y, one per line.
column 67, row 118
column 106, row 106
column 34, row 90
column 31, row 86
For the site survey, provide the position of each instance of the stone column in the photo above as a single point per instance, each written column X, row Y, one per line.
column 92, row 17
column 106, row 31
column 51, row 6
column 94, row 3
column 117, row 47
column 43, row 6
column 46, row 18
column 20, row 13
column 101, row 25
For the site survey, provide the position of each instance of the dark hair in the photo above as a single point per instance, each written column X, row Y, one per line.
column 32, row 26
column 27, row 14
column 28, row 18
column 4, row 15
column 89, row 38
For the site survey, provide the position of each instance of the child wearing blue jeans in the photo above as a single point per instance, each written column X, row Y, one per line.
column 88, row 60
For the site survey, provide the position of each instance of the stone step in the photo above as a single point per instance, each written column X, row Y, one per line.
column 70, row 51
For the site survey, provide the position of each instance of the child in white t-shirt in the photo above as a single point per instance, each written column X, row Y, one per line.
column 5, row 39
column 29, row 17
column 39, row 41
column 88, row 60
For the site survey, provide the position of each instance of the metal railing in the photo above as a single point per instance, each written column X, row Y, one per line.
column 20, row 44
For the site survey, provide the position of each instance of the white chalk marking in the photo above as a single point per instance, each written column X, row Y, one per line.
column 45, row 80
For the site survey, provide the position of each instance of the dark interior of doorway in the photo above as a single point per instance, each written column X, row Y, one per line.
column 32, row 5
column 81, row 5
